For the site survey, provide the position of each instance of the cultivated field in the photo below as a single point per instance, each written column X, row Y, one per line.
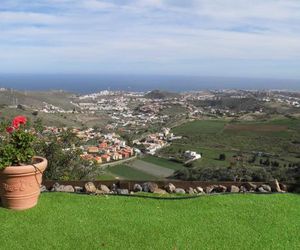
column 276, row 137
column 255, row 128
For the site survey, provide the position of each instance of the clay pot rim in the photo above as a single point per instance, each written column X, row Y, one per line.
column 39, row 166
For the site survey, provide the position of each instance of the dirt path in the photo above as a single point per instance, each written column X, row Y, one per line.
column 151, row 168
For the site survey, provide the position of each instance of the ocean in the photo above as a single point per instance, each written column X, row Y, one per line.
column 93, row 83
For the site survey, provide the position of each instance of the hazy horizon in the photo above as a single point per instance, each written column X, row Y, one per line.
column 87, row 83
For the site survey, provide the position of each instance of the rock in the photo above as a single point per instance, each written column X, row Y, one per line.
column 149, row 187
column 283, row 187
column 99, row 192
column 43, row 189
column 190, row 190
column 170, row 188
column 55, row 187
column 243, row 189
column 78, row 189
column 199, row 189
column 210, row 189
column 90, row 188
column 137, row 188
column 250, row 186
column 114, row 187
column 122, row 191
column 261, row 190
column 160, row 191
column 220, row 189
column 104, row 188
column 266, row 187
column 67, row 189
column 179, row 191
column 62, row 188
column 275, row 186
column 234, row 189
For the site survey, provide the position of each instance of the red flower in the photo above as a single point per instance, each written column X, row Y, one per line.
column 10, row 129
column 19, row 120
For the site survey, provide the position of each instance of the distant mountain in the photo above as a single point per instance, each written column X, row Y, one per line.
column 159, row 94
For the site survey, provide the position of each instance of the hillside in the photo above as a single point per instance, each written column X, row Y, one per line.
column 69, row 221
column 265, row 149
column 36, row 99
column 159, row 94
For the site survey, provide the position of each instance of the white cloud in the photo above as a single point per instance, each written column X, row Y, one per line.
column 154, row 32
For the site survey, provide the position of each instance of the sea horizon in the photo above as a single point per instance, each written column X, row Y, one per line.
column 90, row 83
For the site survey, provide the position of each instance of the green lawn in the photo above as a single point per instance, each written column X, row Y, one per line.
column 162, row 162
column 126, row 172
column 69, row 221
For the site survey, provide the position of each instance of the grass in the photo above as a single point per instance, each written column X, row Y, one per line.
column 213, row 137
column 105, row 177
column 69, row 221
column 126, row 172
column 162, row 162
column 200, row 127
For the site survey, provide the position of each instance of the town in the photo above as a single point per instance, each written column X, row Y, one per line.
column 110, row 148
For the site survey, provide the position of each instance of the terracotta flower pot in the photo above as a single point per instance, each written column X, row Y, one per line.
column 20, row 185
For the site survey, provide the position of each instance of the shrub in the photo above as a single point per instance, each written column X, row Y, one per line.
column 16, row 143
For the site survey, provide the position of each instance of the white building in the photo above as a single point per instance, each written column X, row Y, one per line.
column 192, row 155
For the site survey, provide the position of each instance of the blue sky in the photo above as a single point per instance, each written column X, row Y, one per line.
column 251, row 38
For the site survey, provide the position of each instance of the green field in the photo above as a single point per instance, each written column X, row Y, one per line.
column 162, row 162
column 106, row 176
column 200, row 127
column 126, row 172
column 214, row 137
column 241, row 142
column 69, row 221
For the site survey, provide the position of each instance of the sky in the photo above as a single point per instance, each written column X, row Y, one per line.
column 244, row 38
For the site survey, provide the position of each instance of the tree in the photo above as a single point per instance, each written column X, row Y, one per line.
column 64, row 162
column 222, row 157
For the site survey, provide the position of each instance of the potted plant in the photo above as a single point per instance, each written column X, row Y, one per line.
column 20, row 171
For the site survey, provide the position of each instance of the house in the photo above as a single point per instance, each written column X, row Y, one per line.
column 125, row 154
column 115, row 156
column 103, row 145
column 129, row 151
column 105, row 158
column 192, row 155
column 98, row 159
column 93, row 150
column 137, row 151
column 87, row 157
column 166, row 131
column 151, row 150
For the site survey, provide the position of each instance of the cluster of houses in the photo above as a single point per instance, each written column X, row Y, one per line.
column 156, row 141
column 110, row 146
column 282, row 97
column 108, row 150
